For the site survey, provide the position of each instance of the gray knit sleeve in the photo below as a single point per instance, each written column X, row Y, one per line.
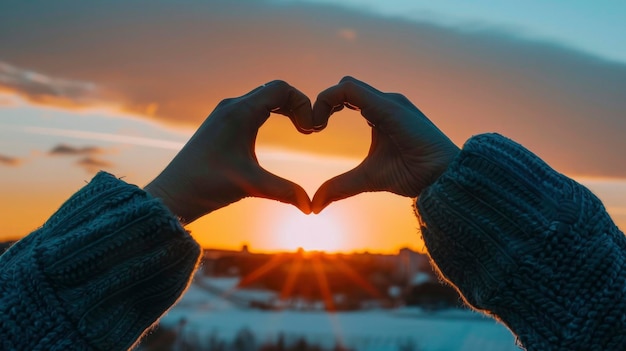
column 529, row 246
column 97, row 274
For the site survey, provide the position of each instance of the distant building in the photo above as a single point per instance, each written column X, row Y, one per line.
column 308, row 280
column 410, row 263
column 217, row 262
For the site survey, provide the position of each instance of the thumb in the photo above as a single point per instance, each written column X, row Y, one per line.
column 340, row 187
column 271, row 186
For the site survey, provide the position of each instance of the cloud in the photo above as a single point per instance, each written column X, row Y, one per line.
column 92, row 165
column 565, row 105
column 64, row 149
column 10, row 161
column 7, row 100
column 88, row 160
column 88, row 157
column 106, row 137
column 41, row 88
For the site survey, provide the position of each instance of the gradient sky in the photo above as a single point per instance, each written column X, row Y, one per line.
column 121, row 86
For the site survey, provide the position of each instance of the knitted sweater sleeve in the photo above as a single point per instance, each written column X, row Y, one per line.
column 529, row 246
column 97, row 274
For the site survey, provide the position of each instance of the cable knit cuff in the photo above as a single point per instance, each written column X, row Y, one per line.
column 531, row 246
column 99, row 272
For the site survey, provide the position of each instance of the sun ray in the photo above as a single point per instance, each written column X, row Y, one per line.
column 328, row 298
column 257, row 273
column 353, row 275
column 292, row 276
column 323, row 284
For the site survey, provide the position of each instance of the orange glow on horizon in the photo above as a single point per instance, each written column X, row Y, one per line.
column 375, row 222
column 322, row 232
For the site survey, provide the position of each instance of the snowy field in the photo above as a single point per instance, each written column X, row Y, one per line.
column 203, row 313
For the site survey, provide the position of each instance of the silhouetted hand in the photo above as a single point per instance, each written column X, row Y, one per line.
column 408, row 152
column 218, row 165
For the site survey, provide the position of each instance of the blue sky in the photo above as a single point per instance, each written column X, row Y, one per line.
column 597, row 27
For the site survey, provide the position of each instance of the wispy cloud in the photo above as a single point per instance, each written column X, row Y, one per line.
column 10, row 161
column 64, row 149
column 99, row 136
column 42, row 88
column 177, row 68
column 92, row 165
column 89, row 159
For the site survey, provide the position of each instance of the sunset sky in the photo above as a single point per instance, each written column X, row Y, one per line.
column 120, row 86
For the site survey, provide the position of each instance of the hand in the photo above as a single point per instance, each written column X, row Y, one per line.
column 218, row 165
column 407, row 154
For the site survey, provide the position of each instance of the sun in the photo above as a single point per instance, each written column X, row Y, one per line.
column 321, row 232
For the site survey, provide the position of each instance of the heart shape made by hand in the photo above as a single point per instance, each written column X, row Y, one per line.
column 218, row 165
column 407, row 151
column 311, row 159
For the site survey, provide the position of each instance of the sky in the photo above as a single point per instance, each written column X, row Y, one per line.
column 121, row 86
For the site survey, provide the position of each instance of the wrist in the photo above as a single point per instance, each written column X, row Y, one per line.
column 446, row 156
column 186, row 208
column 158, row 191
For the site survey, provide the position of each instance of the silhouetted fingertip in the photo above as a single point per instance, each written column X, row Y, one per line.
column 304, row 205
column 351, row 106
column 302, row 200
column 316, row 210
column 337, row 108
column 318, row 204
column 348, row 79
column 319, row 208
column 320, row 127
column 306, row 210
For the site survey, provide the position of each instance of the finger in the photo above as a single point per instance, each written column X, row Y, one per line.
column 271, row 186
column 397, row 97
column 361, row 83
column 254, row 90
column 279, row 97
column 340, row 187
column 354, row 94
column 229, row 101
column 319, row 126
